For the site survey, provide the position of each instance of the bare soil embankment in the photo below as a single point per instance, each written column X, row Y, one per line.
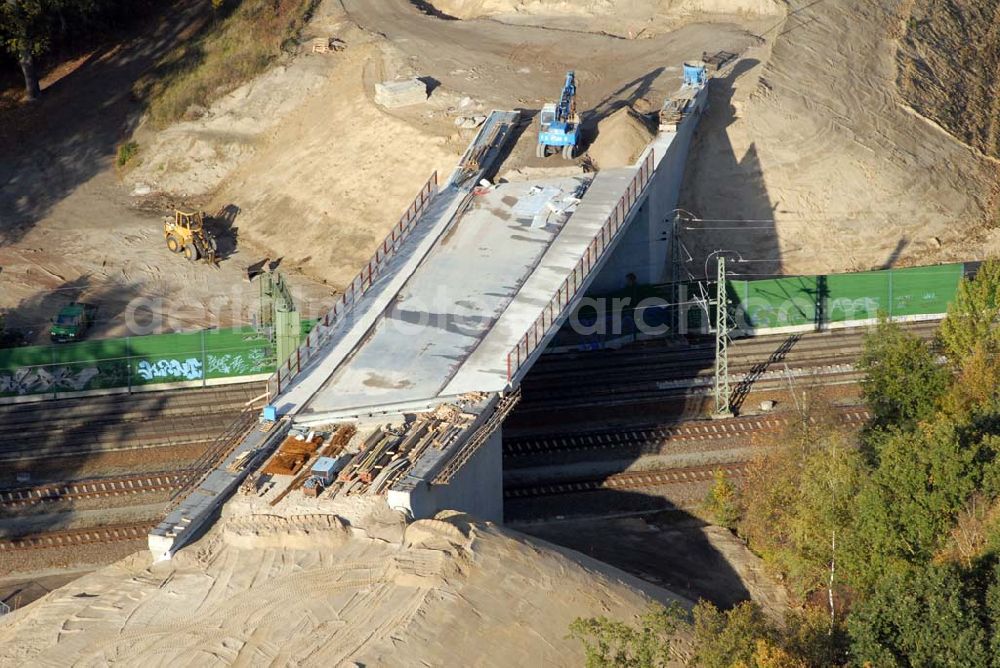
column 307, row 590
column 811, row 161
column 626, row 18
column 949, row 68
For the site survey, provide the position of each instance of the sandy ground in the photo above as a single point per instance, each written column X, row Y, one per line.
column 626, row 18
column 306, row 590
column 319, row 173
column 809, row 161
column 19, row 590
column 299, row 164
column 68, row 228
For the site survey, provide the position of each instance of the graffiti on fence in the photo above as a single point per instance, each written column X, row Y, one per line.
column 170, row 369
column 34, row 380
column 236, row 364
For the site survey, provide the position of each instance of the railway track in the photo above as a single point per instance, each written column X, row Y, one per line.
column 563, row 374
column 654, row 437
column 632, row 480
column 84, row 426
column 111, row 533
column 94, row 488
column 597, row 394
column 749, row 350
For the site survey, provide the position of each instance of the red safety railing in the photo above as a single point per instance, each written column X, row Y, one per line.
column 362, row 282
column 554, row 310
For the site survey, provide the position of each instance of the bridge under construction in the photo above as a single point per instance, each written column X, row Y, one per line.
column 397, row 396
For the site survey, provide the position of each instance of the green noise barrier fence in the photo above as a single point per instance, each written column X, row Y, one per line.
column 772, row 305
column 159, row 359
column 840, row 298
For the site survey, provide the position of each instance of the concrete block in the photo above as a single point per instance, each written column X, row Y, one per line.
column 393, row 94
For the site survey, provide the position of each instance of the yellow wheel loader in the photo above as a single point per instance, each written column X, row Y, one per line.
column 185, row 233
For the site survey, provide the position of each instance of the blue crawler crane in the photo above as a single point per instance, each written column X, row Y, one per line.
column 559, row 124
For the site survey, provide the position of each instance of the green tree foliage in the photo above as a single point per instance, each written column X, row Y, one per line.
column 740, row 637
column 973, row 314
column 728, row 638
column 912, row 533
column 798, row 498
column 30, row 28
column 608, row 642
column 721, row 503
column 925, row 478
column 902, row 381
column 926, row 616
column 25, row 32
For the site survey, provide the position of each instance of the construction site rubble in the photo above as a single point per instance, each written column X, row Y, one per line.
column 470, row 122
column 395, row 94
column 390, row 451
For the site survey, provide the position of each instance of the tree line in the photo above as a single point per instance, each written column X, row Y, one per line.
column 31, row 28
column 889, row 539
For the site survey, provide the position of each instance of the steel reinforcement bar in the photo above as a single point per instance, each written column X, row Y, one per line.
column 476, row 441
column 315, row 340
column 220, row 448
column 560, row 303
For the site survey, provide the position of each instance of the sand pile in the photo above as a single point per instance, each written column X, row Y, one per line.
column 452, row 592
column 634, row 11
column 621, row 139
column 935, row 75
column 471, row 9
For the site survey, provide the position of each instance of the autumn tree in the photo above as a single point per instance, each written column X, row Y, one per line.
column 972, row 315
column 722, row 503
column 726, row 638
column 608, row 642
column 903, row 380
column 977, row 385
column 798, row 498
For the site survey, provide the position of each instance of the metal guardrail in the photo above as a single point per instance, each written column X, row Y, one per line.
column 291, row 367
column 553, row 311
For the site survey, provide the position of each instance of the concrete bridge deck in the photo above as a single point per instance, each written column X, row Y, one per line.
column 489, row 274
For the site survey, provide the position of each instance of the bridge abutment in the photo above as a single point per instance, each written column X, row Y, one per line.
column 476, row 489
column 644, row 250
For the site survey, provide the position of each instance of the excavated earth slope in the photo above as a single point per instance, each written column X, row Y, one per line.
column 949, row 68
column 308, row 590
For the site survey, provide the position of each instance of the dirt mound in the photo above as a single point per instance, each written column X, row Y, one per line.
column 350, row 601
column 632, row 12
column 471, row 9
column 621, row 139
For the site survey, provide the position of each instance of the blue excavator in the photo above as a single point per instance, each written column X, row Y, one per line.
column 559, row 124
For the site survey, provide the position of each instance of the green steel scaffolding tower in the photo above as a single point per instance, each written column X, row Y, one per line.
column 278, row 319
